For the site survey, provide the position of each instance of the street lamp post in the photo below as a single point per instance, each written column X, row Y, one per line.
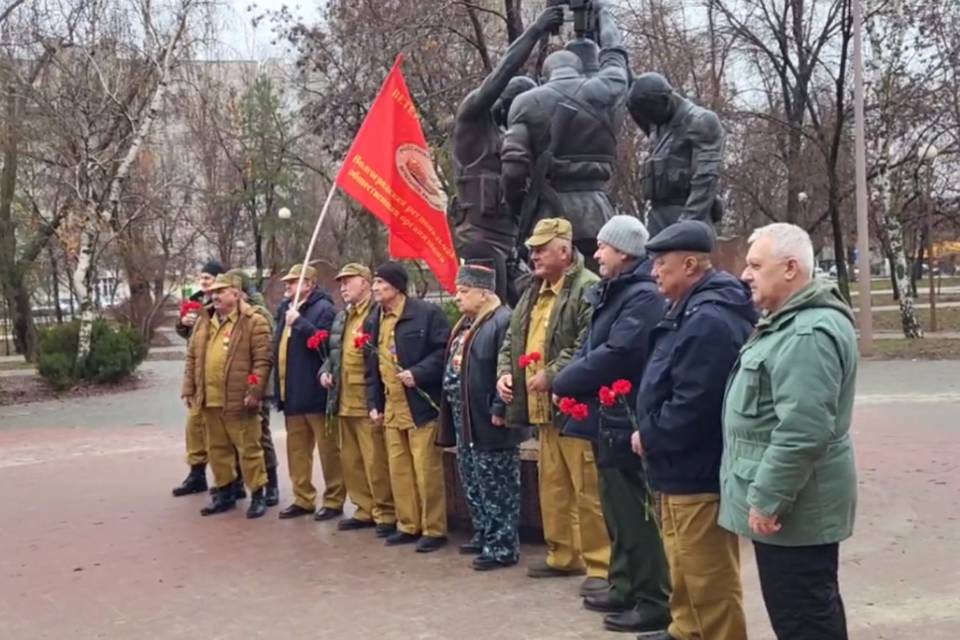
column 860, row 154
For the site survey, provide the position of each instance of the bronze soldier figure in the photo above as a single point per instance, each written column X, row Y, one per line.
column 681, row 175
column 560, row 145
column 478, row 213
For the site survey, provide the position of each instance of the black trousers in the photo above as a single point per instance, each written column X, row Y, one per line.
column 801, row 591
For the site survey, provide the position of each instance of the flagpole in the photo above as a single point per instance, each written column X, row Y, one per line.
column 313, row 242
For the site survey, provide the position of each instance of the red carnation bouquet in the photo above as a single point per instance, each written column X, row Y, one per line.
column 528, row 359
column 253, row 379
column 318, row 339
column 364, row 342
column 189, row 306
column 612, row 396
column 576, row 410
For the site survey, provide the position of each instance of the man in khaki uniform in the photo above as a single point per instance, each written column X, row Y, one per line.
column 363, row 449
column 227, row 368
column 196, row 439
column 404, row 374
column 552, row 319
column 302, row 399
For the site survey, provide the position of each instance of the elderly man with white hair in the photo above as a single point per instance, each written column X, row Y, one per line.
column 788, row 480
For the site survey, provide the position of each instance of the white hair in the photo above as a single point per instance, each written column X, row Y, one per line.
column 789, row 242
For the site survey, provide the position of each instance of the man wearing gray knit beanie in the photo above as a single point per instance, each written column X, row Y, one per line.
column 626, row 307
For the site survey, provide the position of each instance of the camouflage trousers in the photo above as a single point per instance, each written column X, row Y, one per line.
column 491, row 483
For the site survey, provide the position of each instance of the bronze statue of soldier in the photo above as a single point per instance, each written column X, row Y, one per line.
column 478, row 213
column 682, row 173
column 560, row 147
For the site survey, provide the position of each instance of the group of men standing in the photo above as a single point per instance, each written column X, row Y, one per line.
column 727, row 425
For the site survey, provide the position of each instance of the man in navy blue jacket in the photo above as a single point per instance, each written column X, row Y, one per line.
column 680, row 435
column 626, row 307
column 301, row 398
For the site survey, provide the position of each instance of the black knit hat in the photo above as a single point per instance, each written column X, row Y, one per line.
column 394, row 274
column 213, row 267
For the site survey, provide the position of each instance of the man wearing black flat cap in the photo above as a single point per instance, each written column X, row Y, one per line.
column 404, row 375
column 196, row 480
column 679, row 407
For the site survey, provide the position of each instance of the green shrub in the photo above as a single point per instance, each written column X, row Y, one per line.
column 115, row 353
column 451, row 310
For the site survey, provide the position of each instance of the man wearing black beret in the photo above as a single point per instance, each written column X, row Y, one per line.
column 679, row 407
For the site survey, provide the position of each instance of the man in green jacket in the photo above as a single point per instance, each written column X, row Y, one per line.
column 788, row 480
column 548, row 326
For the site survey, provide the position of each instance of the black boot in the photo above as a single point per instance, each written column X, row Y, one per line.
column 238, row 491
column 273, row 491
column 222, row 501
column 258, row 504
column 195, row 482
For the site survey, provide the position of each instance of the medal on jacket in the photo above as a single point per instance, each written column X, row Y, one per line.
column 226, row 338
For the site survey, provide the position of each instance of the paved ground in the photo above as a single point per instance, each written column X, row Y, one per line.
column 94, row 547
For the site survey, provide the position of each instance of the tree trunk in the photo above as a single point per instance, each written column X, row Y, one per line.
column 55, row 282
column 908, row 314
column 840, row 251
column 84, row 286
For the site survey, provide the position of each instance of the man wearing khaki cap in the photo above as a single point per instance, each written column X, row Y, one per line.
column 301, row 398
column 363, row 450
column 551, row 319
column 227, row 368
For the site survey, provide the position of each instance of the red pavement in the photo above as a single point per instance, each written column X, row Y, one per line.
column 95, row 547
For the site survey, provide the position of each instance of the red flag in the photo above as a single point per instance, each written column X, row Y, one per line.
column 389, row 171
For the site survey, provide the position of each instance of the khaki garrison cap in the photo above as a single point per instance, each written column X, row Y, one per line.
column 550, row 229
column 227, row 281
column 355, row 269
column 309, row 273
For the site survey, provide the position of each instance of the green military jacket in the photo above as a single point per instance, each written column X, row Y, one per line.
column 787, row 413
column 566, row 331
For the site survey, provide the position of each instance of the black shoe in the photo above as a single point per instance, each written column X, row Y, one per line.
column 195, row 482
column 487, row 563
column 352, row 524
column 541, row 569
column 603, row 604
column 272, row 493
column 431, row 543
column 594, row 587
column 471, row 549
column 634, row 621
column 238, row 491
column 399, row 537
column 293, row 511
column 327, row 513
column 385, row 530
column 658, row 635
column 258, row 504
column 222, row 501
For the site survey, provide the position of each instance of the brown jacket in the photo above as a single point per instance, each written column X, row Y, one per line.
column 251, row 351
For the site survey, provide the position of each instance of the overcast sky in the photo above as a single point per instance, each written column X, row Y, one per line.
column 241, row 41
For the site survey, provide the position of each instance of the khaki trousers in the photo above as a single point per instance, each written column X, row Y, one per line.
column 304, row 434
column 196, row 438
column 366, row 472
column 226, row 433
column 573, row 524
column 416, row 476
column 707, row 598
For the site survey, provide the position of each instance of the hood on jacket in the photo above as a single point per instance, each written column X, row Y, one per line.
column 821, row 294
column 720, row 288
column 640, row 271
column 315, row 296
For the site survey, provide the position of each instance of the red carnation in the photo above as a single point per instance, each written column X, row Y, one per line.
column 362, row 340
column 566, row 405
column 608, row 397
column 622, row 387
column 317, row 339
column 189, row 306
column 253, row 379
column 528, row 359
column 579, row 411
